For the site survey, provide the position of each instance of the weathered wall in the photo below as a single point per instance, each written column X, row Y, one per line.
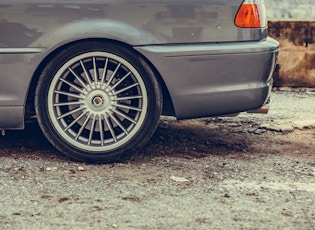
column 296, row 61
column 290, row 9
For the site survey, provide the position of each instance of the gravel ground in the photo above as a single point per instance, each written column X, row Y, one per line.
column 247, row 172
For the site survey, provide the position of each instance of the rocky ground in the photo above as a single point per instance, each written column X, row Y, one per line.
column 247, row 172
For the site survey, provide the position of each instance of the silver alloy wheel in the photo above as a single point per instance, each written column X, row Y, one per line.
column 97, row 101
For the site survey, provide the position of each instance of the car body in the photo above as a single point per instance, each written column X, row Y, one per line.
column 79, row 67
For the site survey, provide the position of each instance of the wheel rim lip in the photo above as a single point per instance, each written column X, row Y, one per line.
column 68, row 135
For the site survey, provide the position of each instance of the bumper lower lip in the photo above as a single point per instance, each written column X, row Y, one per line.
column 263, row 110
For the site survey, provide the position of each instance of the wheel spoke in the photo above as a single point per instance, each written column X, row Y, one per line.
column 128, row 107
column 87, row 75
column 92, row 130
column 128, row 98
column 72, row 85
column 113, row 75
column 109, row 125
column 121, row 80
column 125, row 89
column 124, row 116
column 104, row 71
column 95, row 70
column 69, row 103
column 70, row 112
column 83, row 127
column 69, row 94
column 75, row 121
column 118, row 123
column 100, row 122
column 78, row 78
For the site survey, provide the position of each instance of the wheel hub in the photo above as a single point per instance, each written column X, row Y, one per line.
column 98, row 101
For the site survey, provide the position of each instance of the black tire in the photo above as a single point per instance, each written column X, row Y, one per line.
column 98, row 102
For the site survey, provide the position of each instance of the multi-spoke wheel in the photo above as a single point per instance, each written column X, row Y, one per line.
column 98, row 102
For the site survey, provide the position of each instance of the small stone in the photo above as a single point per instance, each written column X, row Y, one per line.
column 80, row 168
column 286, row 128
column 8, row 166
column 226, row 195
column 179, row 179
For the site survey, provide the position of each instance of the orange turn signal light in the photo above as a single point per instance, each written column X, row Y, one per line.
column 251, row 15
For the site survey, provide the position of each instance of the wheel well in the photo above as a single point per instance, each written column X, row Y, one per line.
column 168, row 108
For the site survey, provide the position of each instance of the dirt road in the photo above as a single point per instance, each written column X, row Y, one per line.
column 247, row 172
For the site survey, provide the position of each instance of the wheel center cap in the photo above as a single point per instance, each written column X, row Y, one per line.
column 98, row 101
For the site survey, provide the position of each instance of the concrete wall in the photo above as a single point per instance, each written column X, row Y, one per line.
column 290, row 9
column 296, row 61
column 292, row 23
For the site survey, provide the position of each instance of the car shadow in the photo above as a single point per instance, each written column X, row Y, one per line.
column 29, row 142
column 182, row 139
column 193, row 139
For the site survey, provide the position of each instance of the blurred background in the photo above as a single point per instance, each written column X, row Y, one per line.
column 292, row 23
column 290, row 9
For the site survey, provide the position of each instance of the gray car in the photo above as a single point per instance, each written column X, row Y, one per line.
column 98, row 74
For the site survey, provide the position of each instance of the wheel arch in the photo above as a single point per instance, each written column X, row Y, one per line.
column 168, row 108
